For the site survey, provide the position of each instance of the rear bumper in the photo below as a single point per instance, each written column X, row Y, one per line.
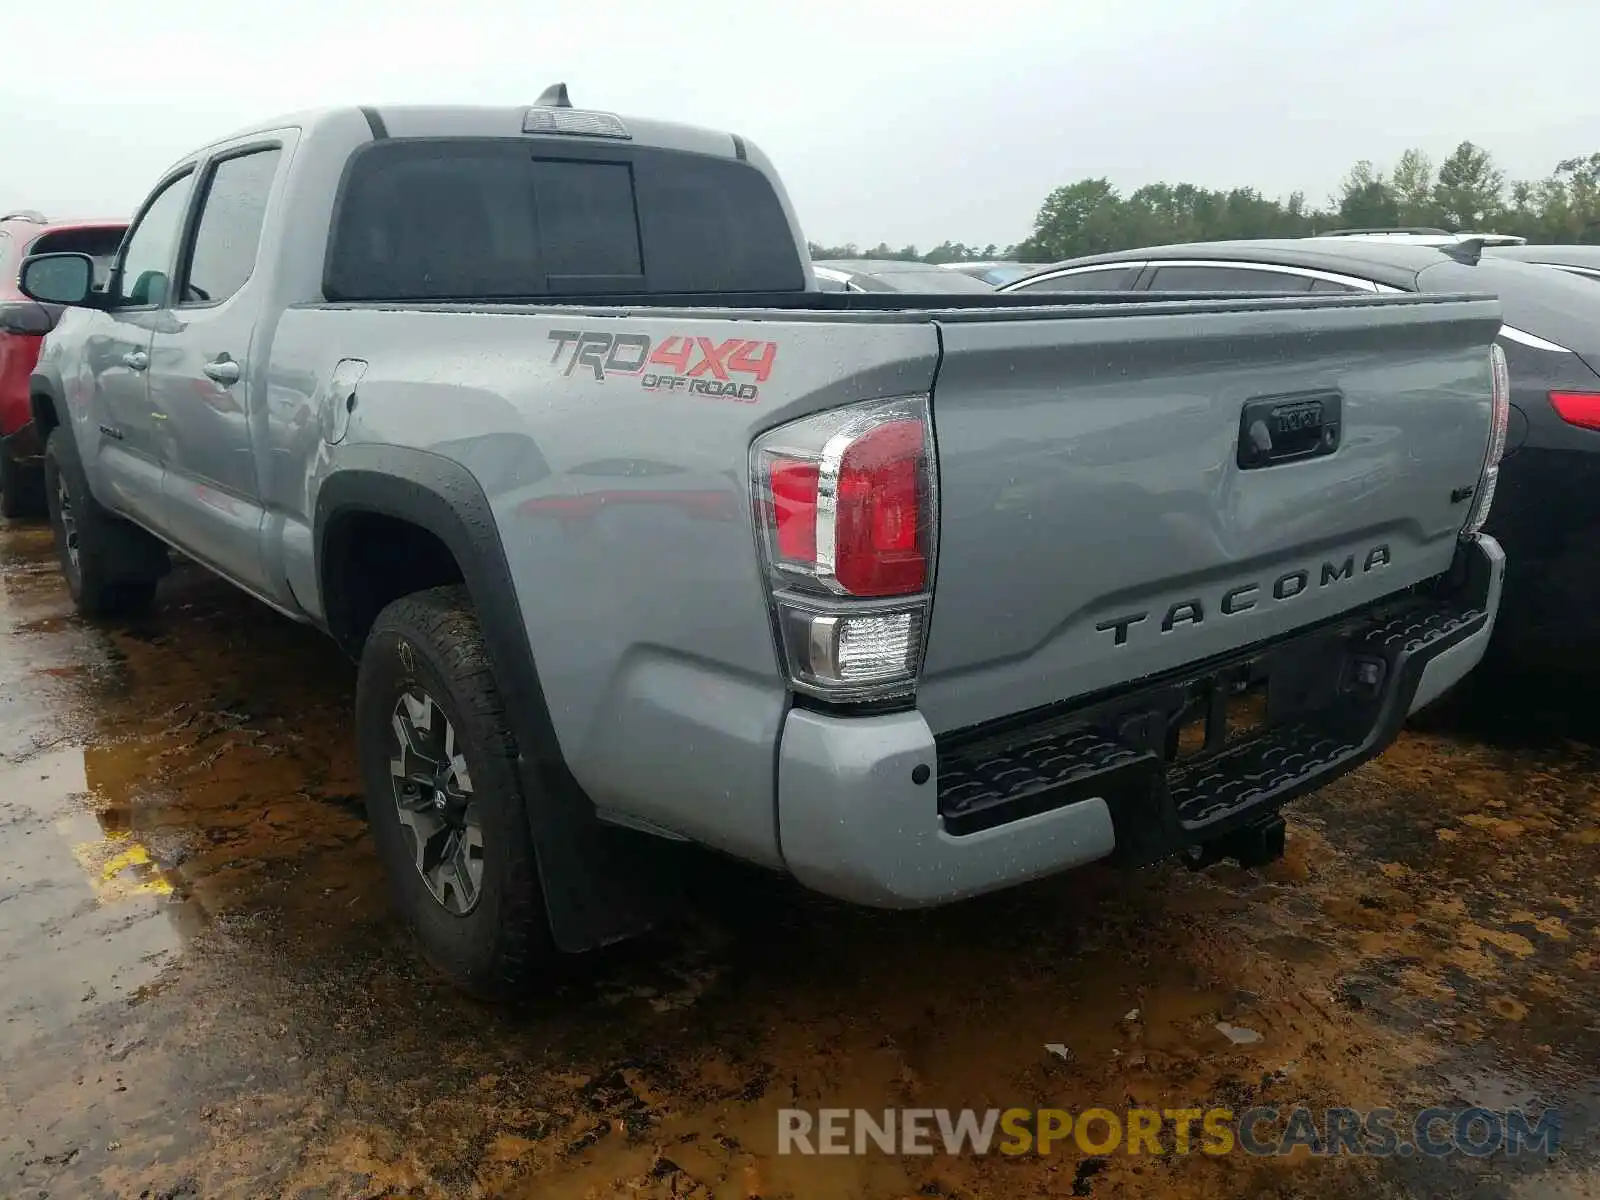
column 1448, row 664
column 1053, row 790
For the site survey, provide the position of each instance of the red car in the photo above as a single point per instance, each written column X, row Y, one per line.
column 23, row 324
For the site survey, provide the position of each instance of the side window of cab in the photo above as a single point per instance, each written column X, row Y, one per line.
column 228, row 231
column 143, row 278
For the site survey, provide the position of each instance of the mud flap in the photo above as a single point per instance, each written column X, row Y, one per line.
column 602, row 883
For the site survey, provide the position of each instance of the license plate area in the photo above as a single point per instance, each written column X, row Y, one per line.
column 1217, row 711
column 1190, row 719
column 1294, row 712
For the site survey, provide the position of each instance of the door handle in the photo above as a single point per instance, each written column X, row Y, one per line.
column 1277, row 429
column 136, row 360
column 222, row 369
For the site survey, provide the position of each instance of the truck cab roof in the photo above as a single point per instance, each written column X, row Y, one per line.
column 460, row 120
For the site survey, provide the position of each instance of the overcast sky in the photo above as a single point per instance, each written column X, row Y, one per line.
column 900, row 122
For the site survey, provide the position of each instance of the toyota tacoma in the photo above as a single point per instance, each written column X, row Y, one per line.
column 640, row 538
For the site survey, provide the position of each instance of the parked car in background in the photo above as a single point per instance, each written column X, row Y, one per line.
column 892, row 275
column 23, row 324
column 1547, row 509
column 1424, row 236
column 1577, row 260
column 993, row 273
column 636, row 535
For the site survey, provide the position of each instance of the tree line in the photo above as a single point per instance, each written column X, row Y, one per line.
column 942, row 253
column 1466, row 191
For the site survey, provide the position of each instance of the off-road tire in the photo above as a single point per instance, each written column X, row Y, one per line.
column 21, row 488
column 117, row 564
column 432, row 641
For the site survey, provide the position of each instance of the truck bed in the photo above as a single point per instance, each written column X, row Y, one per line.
column 898, row 305
column 1086, row 472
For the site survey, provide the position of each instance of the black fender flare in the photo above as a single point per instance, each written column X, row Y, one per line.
column 45, row 382
column 601, row 883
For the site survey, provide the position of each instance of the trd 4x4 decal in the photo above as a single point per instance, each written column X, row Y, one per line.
column 698, row 366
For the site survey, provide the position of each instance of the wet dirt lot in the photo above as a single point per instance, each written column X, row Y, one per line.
column 202, row 993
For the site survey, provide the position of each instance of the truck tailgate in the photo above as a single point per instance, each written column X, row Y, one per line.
column 1096, row 524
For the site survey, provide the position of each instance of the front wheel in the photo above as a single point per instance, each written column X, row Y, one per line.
column 444, row 798
column 111, row 565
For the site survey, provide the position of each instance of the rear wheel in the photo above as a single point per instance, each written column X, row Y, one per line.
column 444, row 797
column 111, row 565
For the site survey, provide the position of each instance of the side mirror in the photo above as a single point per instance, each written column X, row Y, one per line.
column 57, row 278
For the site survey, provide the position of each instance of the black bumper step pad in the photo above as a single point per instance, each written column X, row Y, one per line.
column 1413, row 632
column 1249, row 772
column 986, row 781
column 1033, row 776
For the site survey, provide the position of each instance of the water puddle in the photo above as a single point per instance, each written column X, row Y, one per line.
column 87, row 917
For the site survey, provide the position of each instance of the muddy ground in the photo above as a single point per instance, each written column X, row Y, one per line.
column 202, row 993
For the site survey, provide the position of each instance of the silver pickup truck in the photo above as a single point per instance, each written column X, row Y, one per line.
column 640, row 538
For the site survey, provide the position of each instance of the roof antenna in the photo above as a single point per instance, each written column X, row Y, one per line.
column 554, row 96
column 1467, row 251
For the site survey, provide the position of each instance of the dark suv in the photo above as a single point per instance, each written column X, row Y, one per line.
column 23, row 324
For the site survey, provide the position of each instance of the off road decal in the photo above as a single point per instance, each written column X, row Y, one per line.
column 696, row 366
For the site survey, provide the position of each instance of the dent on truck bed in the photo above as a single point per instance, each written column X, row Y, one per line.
column 1096, row 525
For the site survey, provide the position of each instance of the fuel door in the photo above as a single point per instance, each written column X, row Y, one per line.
column 341, row 399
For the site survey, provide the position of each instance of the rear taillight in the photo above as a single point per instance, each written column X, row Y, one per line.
column 847, row 509
column 1500, row 418
column 1577, row 408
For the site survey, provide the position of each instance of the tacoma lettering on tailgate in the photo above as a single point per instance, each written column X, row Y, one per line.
column 698, row 366
column 1245, row 596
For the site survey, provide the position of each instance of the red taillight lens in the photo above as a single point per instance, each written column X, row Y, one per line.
column 794, row 509
column 847, row 506
column 1578, row 408
column 878, row 530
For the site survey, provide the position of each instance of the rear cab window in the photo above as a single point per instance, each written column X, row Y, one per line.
column 468, row 218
